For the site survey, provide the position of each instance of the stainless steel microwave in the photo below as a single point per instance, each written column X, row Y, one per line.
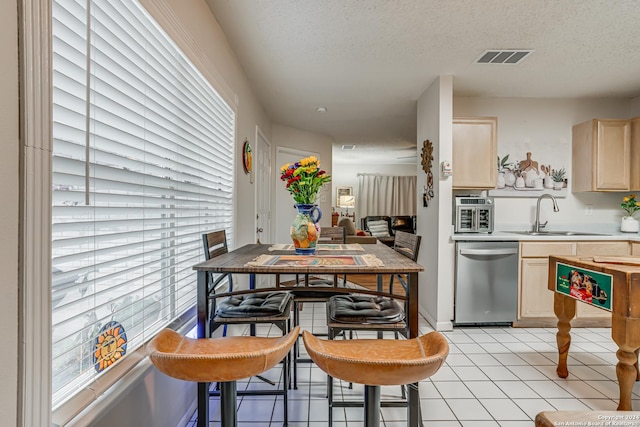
column 473, row 214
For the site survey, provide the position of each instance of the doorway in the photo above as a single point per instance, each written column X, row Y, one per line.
column 263, row 188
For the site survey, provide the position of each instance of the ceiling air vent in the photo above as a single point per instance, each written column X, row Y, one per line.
column 348, row 147
column 503, row 56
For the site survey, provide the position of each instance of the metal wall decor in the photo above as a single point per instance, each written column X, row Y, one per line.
column 247, row 157
column 427, row 161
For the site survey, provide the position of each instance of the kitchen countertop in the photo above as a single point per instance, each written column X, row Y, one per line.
column 607, row 232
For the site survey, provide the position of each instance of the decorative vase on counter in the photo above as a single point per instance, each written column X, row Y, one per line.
column 557, row 185
column 509, row 178
column 629, row 224
column 501, row 181
column 548, row 182
column 304, row 230
column 530, row 178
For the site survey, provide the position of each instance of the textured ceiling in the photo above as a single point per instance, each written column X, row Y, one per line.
column 368, row 61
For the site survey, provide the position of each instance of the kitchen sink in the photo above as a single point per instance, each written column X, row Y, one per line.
column 556, row 233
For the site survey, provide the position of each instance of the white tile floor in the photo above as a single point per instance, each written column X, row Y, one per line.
column 493, row 376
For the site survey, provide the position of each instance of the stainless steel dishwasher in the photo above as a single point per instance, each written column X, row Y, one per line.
column 486, row 284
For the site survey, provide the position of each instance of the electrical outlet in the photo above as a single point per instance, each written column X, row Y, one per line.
column 588, row 210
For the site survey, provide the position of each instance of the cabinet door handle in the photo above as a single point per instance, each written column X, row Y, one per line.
column 488, row 252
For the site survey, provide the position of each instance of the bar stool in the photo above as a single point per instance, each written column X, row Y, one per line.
column 351, row 313
column 224, row 360
column 244, row 308
column 376, row 362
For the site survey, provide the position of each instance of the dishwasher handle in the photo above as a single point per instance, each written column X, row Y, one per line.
column 489, row 252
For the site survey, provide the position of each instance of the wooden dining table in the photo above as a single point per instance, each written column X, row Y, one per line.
column 261, row 259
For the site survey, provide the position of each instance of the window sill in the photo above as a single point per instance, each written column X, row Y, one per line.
column 94, row 401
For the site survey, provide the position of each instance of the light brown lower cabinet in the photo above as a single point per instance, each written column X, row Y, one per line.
column 635, row 249
column 535, row 305
column 535, row 300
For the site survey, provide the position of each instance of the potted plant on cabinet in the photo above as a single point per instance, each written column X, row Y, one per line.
column 558, row 178
column 631, row 205
column 505, row 172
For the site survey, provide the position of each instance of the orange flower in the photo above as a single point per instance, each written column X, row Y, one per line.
column 630, row 204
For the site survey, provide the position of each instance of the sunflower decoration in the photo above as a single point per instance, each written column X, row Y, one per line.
column 110, row 345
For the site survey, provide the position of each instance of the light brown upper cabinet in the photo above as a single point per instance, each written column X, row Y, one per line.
column 635, row 153
column 601, row 155
column 475, row 152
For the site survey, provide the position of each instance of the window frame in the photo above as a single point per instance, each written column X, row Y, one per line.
column 34, row 393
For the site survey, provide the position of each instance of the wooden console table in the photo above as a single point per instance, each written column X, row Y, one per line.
column 568, row 277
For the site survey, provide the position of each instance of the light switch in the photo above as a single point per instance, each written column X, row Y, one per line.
column 447, row 169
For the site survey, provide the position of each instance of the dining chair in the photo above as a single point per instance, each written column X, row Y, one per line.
column 375, row 363
column 223, row 360
column 365, row 313
column 215, row 244
column 408, row 245
column 246, row 308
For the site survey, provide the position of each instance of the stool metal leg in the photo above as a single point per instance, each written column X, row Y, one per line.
column 228, row 409
column 330, row 387
column 285, row 388
column 203, row 404
column 371, row 405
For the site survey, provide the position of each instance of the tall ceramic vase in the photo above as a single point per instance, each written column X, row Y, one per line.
column 305, row 229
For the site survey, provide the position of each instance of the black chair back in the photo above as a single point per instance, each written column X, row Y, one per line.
column 215, row 244
column 408, row 244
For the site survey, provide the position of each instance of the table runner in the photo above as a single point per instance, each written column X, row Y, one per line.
column 320, row 247
column 317, row 261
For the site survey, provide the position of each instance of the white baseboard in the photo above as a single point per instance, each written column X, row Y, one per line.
column 438, row 326
column 444, row 326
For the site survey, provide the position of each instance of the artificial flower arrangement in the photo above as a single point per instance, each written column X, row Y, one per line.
column 304, row 179
column 630, row 204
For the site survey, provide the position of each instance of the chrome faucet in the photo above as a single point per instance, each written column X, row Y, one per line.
column 537, row 226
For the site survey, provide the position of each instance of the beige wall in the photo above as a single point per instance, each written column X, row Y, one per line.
column 9, row 175
column 434, row 222
column 635, row 107
column 284, row 136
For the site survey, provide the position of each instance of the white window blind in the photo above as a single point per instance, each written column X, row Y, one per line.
column 142, row 166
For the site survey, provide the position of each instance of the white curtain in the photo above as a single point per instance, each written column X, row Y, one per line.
column 386, row 195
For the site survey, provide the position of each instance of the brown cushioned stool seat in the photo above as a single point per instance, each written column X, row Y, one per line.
column 223, row 360
column 376, row 362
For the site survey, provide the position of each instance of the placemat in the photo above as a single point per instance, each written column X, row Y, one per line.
column 320, row 247
column 317, row 261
